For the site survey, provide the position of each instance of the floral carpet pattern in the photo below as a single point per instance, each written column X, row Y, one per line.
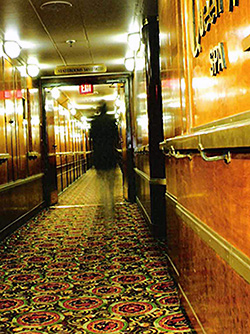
column 70, row 270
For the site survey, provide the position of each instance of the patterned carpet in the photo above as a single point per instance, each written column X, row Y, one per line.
column 70, row 270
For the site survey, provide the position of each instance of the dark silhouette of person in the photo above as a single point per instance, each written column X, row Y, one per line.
column 105, row 139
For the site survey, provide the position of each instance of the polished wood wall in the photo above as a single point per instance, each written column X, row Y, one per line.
column 205, row 91
column 43, row 148
column 69, row 149
column 21, row 170
column 141, row 140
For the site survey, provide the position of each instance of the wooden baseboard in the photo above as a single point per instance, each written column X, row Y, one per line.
column 14, row 225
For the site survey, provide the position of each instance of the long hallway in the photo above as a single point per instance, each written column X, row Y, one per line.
column 70, row 270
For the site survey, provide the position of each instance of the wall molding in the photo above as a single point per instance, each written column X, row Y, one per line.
column 20, row 182
column 14, row 225
column 153, row 181
column 231, row 132
column 235, row 258
column 144, row 211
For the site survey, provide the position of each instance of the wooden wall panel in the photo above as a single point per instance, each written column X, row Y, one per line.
column 140, row 117
column 2, row 120
column 216, row 292
column 66, row 145
column 10, row 125
column 172, row 69
column 3, row 172
column 143, row 195
column 206, row 89
column 3, row 145
column 35, row 119
column 227, row 93
column 142, row 162
column 17, row 179
column 217, row 193
column 187, row 82
column 17, row 203
column 20, row 128
column 140, row 128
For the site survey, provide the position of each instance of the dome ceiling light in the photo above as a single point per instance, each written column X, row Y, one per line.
column 56, row 5
column 33, row 70
column 12, row 49
column 129, row 63
column 55, row 92
column 134, row 41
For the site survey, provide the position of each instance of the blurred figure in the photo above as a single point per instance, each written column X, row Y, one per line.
column 105, row 137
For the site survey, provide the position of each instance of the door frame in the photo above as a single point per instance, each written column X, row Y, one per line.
column 50, row 178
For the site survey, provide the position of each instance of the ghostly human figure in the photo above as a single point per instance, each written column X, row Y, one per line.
column 105, row 138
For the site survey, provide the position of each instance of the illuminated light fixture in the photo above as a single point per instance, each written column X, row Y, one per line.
column 134, row 41
column 73, row 111
column 12, row 49
column 32, row 70
column 56, row 5
column 55, row 92
column 130, row 63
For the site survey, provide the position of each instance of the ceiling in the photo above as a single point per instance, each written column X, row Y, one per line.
column 97, row 30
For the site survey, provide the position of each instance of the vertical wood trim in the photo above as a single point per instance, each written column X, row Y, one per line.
column 188, row 62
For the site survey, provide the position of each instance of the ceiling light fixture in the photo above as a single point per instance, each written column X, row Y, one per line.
column 32, row 70
column 12, row 49
column 56, row 5
column 134, row 41
column 130, row 63
column 55, row 92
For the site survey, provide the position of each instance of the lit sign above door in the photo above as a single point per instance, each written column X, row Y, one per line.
column 86, row 89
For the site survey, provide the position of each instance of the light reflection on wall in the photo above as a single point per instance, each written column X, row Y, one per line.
column 142, row 122
column 35, row 120
column 9, row 107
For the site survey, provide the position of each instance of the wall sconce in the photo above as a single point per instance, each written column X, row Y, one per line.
column 129, row 63
column 12, row 49
column 32, row 70
column 134, row 41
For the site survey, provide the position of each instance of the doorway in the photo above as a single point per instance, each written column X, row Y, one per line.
column 68, row 109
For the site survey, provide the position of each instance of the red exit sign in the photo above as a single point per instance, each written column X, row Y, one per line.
column 86, row 89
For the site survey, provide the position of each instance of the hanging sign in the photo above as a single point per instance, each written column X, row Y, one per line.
column 80, row 69
column 86, row 89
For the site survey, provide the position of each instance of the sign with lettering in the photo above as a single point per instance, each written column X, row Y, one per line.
column 80, row 69
column 217, row 59
column 86, row 89
column 205, row 17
